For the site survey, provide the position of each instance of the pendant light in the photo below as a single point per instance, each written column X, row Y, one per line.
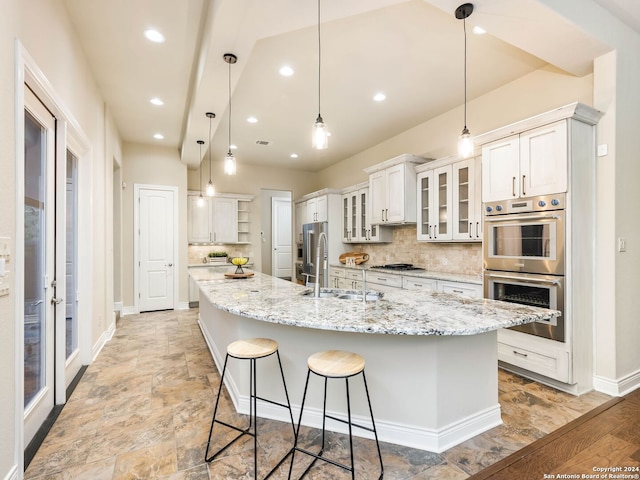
column 211, row 190
column 465, row 142
column 229, row 160
column 200, row 197
column 320, row 132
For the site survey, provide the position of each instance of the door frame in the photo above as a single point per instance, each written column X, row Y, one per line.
column 274, row 232
column 27, row 72
column 137, row 187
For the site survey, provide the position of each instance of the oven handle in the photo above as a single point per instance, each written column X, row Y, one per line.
column 509, row 218
column 521, row 279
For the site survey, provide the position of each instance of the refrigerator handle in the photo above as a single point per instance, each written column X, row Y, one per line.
column 309, row 253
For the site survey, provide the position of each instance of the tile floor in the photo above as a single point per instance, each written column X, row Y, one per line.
column 143, row 411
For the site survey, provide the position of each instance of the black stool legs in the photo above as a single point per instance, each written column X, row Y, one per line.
column 252, row 428
column 349, row 422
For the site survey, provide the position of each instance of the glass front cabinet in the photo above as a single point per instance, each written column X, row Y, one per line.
column 449, row 201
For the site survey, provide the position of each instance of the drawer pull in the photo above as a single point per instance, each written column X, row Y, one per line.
column 520, row 354
column 382, row 279
column 457, row 291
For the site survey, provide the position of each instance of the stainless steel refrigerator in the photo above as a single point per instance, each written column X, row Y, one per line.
column 310, row 238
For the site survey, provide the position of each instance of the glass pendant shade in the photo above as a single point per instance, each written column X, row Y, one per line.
column 211, row 190
column 465, row 144
column 320, row 134
column 230, row 164
column 201, row 201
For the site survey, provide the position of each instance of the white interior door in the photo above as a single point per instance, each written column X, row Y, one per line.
column 282, row 250
column 39, row 264
column 156, row 248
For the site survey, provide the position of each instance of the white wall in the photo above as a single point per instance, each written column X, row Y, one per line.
column 535, row 93
column 43, row 30
column 8, row 31
column 151, row 165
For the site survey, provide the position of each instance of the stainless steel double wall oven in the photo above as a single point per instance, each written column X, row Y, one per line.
column 524, row 257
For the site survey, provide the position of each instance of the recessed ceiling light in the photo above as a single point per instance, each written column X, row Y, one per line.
column 252, row 120
column 379, row 97
column 158, row 136
column 154, row 35
column 479, row 30
column 294, row 155
column 156, row 101
column 286, row 71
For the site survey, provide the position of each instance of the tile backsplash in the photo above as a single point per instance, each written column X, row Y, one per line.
column 461, row 258
column 197, row 253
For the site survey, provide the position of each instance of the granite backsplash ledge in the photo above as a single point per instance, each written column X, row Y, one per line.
column 460, row 258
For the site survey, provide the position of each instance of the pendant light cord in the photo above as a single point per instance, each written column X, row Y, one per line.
column 464, row 23
column 229, row 108
column 319, row 59
column 209, row 150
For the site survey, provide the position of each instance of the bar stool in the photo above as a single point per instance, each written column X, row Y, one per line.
column 335, row 364
column 250, row 349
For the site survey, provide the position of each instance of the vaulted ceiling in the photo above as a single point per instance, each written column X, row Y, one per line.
column 411, row 50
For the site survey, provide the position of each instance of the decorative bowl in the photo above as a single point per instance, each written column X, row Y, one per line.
column 239, row 262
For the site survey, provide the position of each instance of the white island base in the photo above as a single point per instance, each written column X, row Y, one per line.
column 428, row 392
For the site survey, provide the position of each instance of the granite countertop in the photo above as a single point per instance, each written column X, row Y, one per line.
column 451, row 277
column 405, row 312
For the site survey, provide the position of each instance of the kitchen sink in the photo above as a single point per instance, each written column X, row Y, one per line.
column 342, row 294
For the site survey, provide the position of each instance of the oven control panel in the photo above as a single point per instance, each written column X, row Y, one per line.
column 524, row 205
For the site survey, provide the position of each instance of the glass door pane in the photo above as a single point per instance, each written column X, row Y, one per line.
column 35, row 325
column 71, row 267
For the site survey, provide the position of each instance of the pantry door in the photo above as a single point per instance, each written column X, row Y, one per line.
column 39, row 264
column 157, row 230
column 281, row 259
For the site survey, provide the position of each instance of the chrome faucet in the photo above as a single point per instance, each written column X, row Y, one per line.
column 322, row 236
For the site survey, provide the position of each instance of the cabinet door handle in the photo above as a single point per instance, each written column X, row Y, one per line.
column 513, row 186
column 470, row 229
column 523, row 185
column 435, row 231
column 477, row 229
column 386, row 215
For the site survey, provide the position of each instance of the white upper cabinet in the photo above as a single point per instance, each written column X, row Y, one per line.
column 198, row 219
column 224, row 218
column 300, row 217
column 531, row 163
column 392, row 190
column 356, row 225
column 449, row 206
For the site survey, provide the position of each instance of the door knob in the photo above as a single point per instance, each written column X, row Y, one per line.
column 169, row 265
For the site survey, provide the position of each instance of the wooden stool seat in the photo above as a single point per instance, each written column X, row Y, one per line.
column 252, row 348
column 336, row 363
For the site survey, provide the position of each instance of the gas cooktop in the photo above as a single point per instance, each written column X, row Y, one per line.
column 397, row 266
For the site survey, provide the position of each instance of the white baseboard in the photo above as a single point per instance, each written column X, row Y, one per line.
column 104, row 338
column 421, row 438
column 12, row 474
column 132, row 310
column 182, row 306
column 118, row 307
column 618, row 387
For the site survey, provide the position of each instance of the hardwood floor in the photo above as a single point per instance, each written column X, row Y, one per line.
column 603, row 443
column 143, row 410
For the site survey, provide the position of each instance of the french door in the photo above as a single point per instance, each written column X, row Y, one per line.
column 39, row 264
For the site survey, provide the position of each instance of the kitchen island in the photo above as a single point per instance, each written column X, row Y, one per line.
column 431, row 357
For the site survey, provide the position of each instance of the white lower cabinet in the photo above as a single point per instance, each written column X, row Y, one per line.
column 459, row 288
column 544, row 357
column 336, row 277
column 383, row 282
column 415, row 283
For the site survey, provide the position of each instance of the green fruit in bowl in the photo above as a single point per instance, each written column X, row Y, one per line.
column 239, row 261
